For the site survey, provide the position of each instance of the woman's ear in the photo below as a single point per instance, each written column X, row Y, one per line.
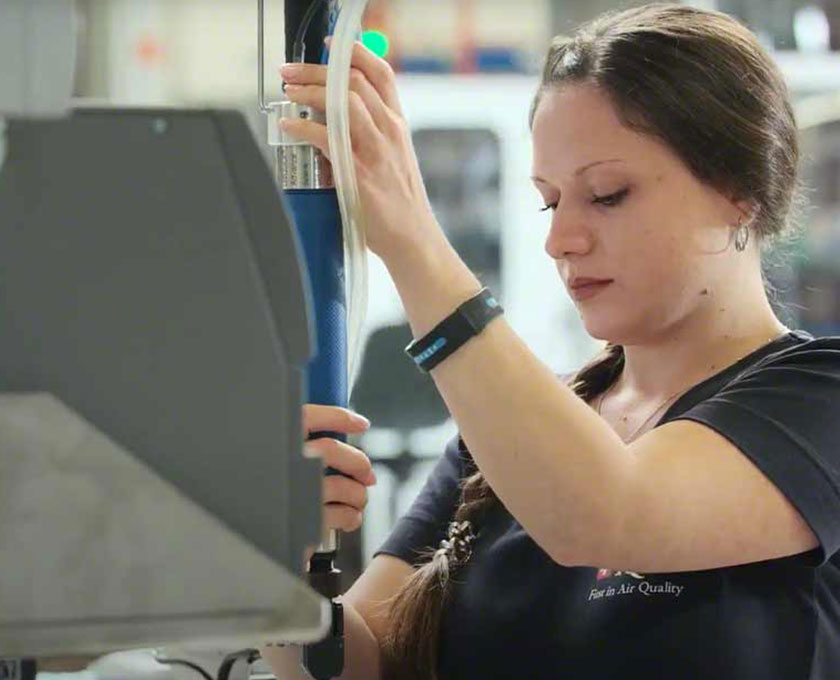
column 744, row 211
column 733, row 208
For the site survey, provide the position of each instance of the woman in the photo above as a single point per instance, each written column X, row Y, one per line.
column 674, row 512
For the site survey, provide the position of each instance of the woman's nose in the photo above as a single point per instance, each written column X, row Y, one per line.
column 567, row 235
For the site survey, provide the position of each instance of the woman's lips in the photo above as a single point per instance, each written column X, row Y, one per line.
column 588, row 290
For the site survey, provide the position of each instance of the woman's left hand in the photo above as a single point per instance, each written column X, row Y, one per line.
column 395, row 207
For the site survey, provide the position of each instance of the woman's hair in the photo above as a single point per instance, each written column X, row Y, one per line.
column 700, row 82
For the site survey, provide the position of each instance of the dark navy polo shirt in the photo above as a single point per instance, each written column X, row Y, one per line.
column 515, row 613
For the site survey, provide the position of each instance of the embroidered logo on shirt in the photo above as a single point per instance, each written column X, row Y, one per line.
column 642, row 586
column 609, row 573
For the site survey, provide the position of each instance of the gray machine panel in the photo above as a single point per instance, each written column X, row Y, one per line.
column 100, row 554
column 150, row 280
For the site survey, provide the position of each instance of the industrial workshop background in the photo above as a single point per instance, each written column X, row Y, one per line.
column 202, row 52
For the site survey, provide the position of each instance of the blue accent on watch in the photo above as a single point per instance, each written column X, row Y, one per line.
column 425, row 354
column 468, row 320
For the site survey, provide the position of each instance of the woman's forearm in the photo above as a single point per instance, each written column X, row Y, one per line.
column 361, row 653
column 554, row 463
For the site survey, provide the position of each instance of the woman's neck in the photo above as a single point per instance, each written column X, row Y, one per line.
column 688, row 354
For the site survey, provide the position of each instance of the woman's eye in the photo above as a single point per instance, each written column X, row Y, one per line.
column 611, row 200
column 550, row 206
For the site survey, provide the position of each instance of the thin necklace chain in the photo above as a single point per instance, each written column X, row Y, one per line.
column 647, row 420
column 631, row 437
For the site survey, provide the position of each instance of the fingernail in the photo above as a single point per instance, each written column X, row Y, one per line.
column 371, row 478
column 309, row 452
column 362, row 419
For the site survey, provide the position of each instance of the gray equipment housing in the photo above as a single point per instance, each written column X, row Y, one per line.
column 154, row 332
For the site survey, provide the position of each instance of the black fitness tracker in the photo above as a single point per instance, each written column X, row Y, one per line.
column 465, row 322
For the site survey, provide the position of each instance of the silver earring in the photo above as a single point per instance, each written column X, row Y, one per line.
column 742, row 236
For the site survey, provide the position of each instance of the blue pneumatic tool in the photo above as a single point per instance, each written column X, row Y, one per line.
column 305, row 177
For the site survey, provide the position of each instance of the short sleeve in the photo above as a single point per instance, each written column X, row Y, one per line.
column 784, row 414
column 425, row 523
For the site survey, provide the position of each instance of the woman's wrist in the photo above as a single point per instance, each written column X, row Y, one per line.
column 431, row 278
column 423, row 231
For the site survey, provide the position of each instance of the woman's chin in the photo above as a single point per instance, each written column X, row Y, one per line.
column 603, row 325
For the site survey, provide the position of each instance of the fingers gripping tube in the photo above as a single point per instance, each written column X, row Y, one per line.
column 297, row 165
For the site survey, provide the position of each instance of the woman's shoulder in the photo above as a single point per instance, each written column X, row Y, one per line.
column 798, row 338
column 800, row 349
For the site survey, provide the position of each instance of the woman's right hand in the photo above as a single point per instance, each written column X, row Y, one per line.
column 345, row 498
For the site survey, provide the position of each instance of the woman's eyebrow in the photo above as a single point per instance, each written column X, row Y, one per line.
column 580, row 170
column 586, row 167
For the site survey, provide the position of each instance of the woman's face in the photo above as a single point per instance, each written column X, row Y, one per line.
column 626, row 208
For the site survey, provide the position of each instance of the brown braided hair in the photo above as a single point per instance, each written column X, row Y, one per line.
column 410, row 645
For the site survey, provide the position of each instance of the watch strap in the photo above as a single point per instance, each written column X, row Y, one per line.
column 468, row 320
